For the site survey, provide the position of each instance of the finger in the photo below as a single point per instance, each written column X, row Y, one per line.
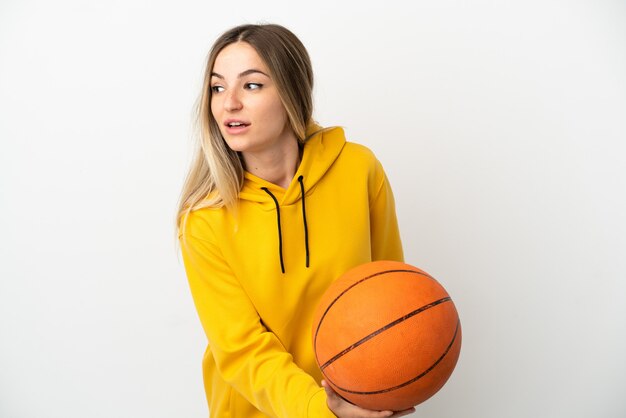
column 329, row 391
column 332, row 396
column 336, row 401
column 403, row 413
column 368, row 413
column 376, row 414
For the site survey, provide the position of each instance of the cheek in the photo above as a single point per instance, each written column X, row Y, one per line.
column 278, row 112
column 216, row 115
column 213, row 107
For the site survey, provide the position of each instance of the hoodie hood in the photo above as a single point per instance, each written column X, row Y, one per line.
column 321, row 149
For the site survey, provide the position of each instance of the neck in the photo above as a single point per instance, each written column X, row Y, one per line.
column 276, row 166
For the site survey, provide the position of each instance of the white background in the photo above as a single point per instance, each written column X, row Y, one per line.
column 502, row 126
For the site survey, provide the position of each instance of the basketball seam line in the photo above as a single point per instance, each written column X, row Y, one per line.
column 356, row 283
column 384, row 328
column 408, row 382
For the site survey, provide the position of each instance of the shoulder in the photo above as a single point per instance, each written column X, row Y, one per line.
column 357, row 150
column 359, row 154
column 362, row 158
column 201, row 223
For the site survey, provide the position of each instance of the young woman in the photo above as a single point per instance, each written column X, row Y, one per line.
column 273, row 210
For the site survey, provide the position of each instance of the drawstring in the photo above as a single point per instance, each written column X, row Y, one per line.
column 280, row 233
column 306, row 229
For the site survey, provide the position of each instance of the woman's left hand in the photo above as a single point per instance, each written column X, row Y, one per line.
column 344, row 409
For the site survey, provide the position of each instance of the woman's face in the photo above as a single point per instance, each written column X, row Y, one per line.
column 245, row 102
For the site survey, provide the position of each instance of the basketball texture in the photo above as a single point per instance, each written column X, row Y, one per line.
column 386, row 336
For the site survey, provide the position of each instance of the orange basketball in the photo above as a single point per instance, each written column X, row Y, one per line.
column 386, row 336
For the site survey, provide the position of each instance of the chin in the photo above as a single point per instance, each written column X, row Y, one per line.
column 237, row 145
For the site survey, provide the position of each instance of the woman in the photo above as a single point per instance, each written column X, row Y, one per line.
column 273, row 210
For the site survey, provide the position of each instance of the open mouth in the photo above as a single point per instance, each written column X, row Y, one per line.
column 237, row 124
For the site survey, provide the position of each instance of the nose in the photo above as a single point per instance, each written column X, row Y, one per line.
column 232, row 101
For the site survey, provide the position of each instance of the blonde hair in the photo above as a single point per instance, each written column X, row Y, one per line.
column 216, row 175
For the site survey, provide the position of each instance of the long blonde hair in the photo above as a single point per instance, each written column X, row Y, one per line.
column 216, row 175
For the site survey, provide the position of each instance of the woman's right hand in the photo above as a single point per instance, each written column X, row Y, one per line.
column 344, row 409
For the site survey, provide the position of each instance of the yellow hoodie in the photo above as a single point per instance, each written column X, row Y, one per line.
column 256, row 278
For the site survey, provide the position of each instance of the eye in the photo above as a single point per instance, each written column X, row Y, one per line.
column 217, row 89
column 253, row 86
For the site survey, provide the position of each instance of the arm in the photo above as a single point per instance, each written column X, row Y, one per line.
column 248, row 356
column 386, row 243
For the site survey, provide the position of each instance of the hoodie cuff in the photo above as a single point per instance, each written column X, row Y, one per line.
column 318, row 407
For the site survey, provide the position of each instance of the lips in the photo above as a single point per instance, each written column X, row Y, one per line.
column 236, row 126
column 232, row 123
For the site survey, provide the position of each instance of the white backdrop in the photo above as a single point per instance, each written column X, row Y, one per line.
column 502, row 126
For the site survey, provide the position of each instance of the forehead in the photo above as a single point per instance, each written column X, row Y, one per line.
column 238, row 57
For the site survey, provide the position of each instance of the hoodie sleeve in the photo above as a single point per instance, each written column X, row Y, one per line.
column 247, row 356
column 385, row 236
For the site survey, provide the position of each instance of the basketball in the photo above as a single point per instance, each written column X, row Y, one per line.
column 386, row 336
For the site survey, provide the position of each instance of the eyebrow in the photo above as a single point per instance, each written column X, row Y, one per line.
column 243, row 74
